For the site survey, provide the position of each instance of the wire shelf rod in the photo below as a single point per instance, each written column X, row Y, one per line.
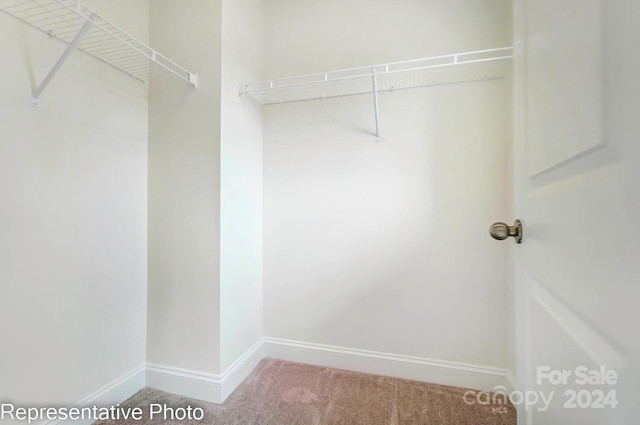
column 99, row 41
column 325, row 75
column 106, row 47
column 49, row 12
column 127, row 59
column 129, row 64
column 456, row 68
column 120, row 55
column 58, row 27
column 17, row 5
column 391, row 90
column 45, row 13
column 137, row 69
column 369, row 74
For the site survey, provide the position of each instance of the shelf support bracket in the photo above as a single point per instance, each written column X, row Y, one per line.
column 35, row 98
column 374, row 82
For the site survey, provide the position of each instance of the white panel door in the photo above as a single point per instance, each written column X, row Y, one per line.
column 577, row 170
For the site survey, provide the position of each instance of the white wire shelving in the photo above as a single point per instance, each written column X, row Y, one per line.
column 466, row 67
column 75, row 24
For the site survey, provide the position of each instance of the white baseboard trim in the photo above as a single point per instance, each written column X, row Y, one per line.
column 241, row 368
column 217, row 387
column 111, row 394
column 398, row 366
column 214, row 388
column 185, row 382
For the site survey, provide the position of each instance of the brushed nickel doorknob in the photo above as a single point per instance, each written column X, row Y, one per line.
column 502, row 231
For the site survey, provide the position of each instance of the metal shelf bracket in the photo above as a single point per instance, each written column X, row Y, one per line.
column 35, row 98
column 374, row 89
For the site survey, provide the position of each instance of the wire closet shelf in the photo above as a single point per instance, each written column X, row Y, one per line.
column 75, row 24
column 478, row 65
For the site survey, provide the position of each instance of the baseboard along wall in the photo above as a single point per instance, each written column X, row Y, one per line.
column 210, row 387
column 216, row 388
column 111, row 394
column 394, row 365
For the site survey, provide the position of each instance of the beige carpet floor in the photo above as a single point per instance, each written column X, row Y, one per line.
column 285, row 393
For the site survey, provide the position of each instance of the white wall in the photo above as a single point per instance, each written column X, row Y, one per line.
column 241, row 316
column 73, row 187
column 306, row 36
column 367, row 246
column 385, row 247
column 184, row 189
